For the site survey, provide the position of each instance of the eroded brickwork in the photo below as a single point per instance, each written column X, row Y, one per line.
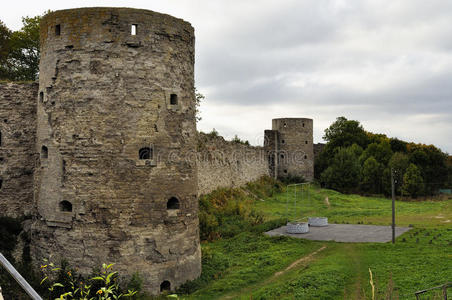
column 17, row 147
column 116, row 120
column 227, row 164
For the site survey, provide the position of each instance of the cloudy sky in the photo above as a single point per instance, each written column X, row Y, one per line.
column 387, row 64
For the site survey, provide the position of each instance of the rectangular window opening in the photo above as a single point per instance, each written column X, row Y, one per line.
column 133, row 29
column 58, row 29
column 173, row 99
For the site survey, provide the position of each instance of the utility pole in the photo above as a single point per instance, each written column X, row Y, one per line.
column 393, row 205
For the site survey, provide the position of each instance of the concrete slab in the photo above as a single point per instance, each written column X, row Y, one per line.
column 347, row 233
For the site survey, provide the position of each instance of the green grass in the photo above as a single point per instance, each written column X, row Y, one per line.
column 355, row 209
column 244, row 266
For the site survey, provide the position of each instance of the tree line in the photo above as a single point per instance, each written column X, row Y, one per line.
column 357, row 161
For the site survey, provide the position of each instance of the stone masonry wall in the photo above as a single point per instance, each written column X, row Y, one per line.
column 116, row 119
column 227, row 164
column 294, row 148
column 17, row 150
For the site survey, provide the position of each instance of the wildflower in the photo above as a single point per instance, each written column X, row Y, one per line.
column 99, row 292
column 69, row 274
column 43, row 266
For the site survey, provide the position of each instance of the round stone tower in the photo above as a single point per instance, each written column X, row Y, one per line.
column 290, row 147
column 116, row 131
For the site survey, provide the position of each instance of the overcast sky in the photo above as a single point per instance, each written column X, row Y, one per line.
column 387, row 64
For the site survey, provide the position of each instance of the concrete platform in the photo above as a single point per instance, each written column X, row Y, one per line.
column 347, row 233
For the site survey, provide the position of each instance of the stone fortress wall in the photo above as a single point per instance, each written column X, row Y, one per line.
column 224, row 163
column 17, row 143
column 104, row 155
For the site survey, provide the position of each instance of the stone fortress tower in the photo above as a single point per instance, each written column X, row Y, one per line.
column 115, row 124
column 290, row 148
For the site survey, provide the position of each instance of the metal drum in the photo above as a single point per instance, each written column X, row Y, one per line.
column 297, row 227
column 318, row 221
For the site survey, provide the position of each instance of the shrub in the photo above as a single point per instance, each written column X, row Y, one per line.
column 227, row 212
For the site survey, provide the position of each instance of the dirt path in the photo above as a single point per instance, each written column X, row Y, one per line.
column 299, row 262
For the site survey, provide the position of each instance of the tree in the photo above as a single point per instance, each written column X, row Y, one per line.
column 380, row 151
column 344, row 172
column 5, row 35
column 432, row 163
column 19, row 57
column 399, row 162
column 413, row 183
column 198, row 98
column 371, row 175
column 344, row 133
column 398, row 145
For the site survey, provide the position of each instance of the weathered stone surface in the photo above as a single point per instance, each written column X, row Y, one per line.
column 17, row 150
column 107, row 146
column 104, row 95
column 228, row 164
column 290, row 147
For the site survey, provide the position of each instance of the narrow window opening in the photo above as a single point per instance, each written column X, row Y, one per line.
column 173, row 99
column 0, row 138
column 285, row 171
column 58, row 29
column 44, row 152
column 1, row 183
column 165, row 286
column 65, row 206
column 306, row 142
column 145, row 153
column 133, row 29
column 283, row 141
column 302, row 124
column 305, row 157
column 173, row 203
column 282, row 156
column 285, row 125
column 41, row 96
column 271, row 160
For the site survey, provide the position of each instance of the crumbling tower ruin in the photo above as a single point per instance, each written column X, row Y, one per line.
column 290, row 148
column 115, row 124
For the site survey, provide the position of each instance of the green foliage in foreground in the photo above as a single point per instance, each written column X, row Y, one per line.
column 104, row 285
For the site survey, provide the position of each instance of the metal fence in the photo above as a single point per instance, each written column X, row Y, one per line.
column 443, row 289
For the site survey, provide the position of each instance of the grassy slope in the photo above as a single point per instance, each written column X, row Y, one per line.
column 246, row 263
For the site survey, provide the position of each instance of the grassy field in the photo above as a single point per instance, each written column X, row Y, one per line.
column 253, row 266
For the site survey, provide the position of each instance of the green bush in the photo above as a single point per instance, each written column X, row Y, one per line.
column 227, row 212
